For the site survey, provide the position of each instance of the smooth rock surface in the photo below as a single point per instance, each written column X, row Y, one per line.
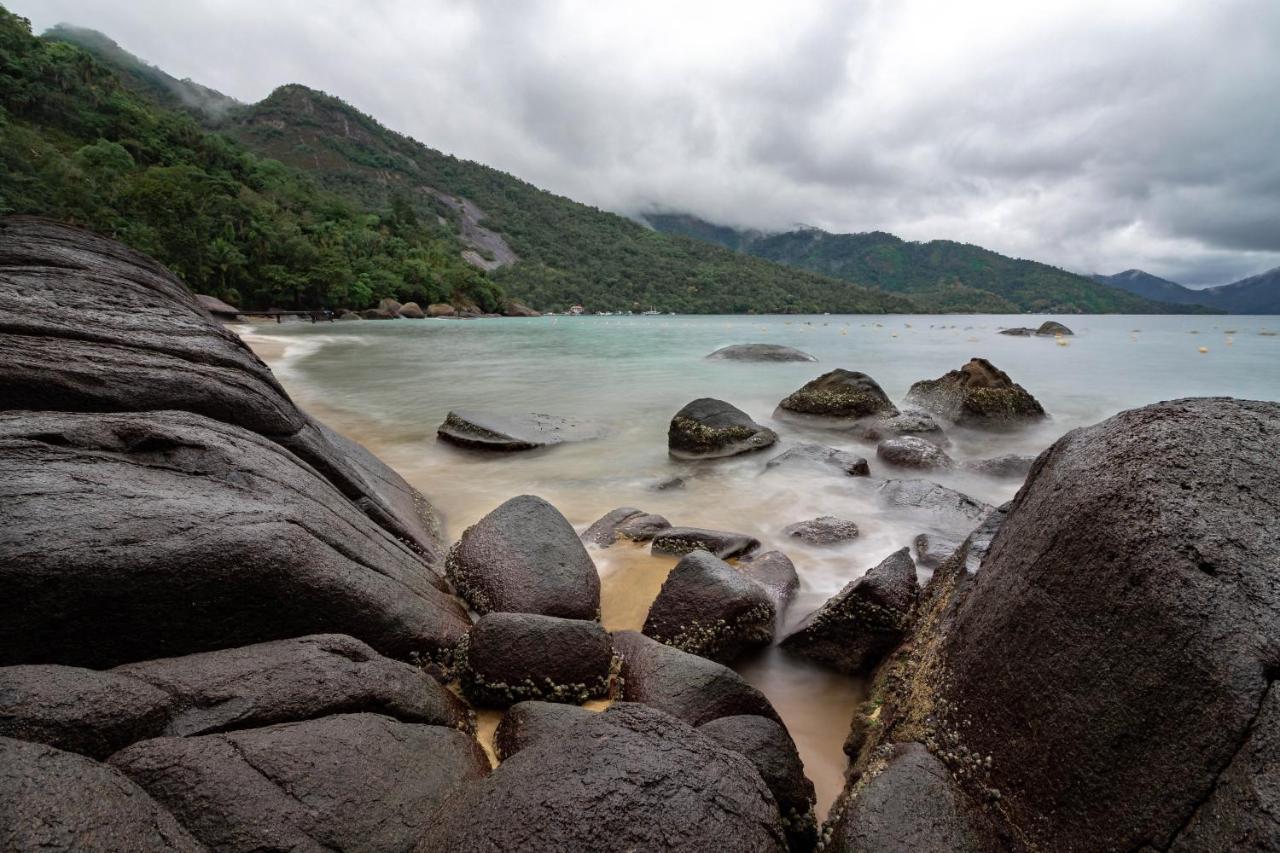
column 524, row 557
column 512, row 657
column 941, row 506
column 1009, row 467
column 760, row 352
column 679, row 541
column 819, row 456
column 708, row 608
column 913, row 452
column 508, row 433
column 826, row 530
column 978, row 394
column 840, row 394
column 775, row 572
column 709, row 429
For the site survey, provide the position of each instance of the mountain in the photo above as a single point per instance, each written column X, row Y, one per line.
column 1259, row 294
column 939, row 275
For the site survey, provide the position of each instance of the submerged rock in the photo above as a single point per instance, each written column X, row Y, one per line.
column 709, row 428
column 822, row 457
column 684, row 685
column 347, row 782
column 827, row 530
column 933, row 548
column 775, row 572
column 909, row 423
column 707, row 607
column 862, row 622
column 1010, row 467
column 524, row 557
column 760, row 352
column 912, row 452
column 604, row 530
column 1053, row 327
column 944, row 507
column 630, row 778
column 486, row 431
column 841, row 395
column 1018, row 331
column 511, row 657
column 678, row 541
column 978, row 394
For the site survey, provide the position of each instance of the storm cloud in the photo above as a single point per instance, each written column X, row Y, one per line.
column 1097, row 136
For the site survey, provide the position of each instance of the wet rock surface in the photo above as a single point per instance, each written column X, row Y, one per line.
column 524, row 557
column 911, row 422
column 512, row 657
column 841, row 395
column 1009, row 467
column 932, row 548
column 818, row 456
column 626, row 762
column 759, row 352
column 509, row 433
column 264, row 788
column 862, row 622
column 940, row 505
column 678, row 541
column 1053, row 327
column 604, row 531
column 826, row 530
column 913, row 452
column 531, row 720
column 708, row 608
column 709, row 429
column 978, row 394
column 770, row 749
column 684, row 685
column 55, row 800
column 775, row 572
column 179, row 534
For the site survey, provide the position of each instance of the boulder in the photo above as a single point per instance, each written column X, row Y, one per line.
column 978, row 394
column 151, row 347
column 770, row 749
column 1115, row 655
column 862, row 622
column 177, row 534
column 441, row 309
column 907, row 802
column 1053, row 328
column 679, row 541
column 604, row 531
column 775, row 572
column 346, row 782
column 412, row 311
column 524, row 557
column 707, row 607
column 1010, row 467
column 55, row 800
column 912, row 452
column 389, row 305
column 759, row 352
column 518, row 309
column 943, row 507
column 79, row 710
column 378, row 314
column 630, row 778
column 643, row 527
column 511, row 657
column 826, row 530
column 684, row 685
column 933, row 548
column 708, row 429
column 296, row 679
column 485, row 431
column 910, row 422
column 840, row 395
column 530, row 721
column 349, row 315
column 820, row 457
column 217, row 307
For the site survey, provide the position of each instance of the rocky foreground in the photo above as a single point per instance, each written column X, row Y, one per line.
column 226, row 627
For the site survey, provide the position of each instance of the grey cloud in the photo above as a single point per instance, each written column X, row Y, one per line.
column 1091, row 134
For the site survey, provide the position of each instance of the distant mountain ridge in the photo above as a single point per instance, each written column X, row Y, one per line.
column 1258, row 294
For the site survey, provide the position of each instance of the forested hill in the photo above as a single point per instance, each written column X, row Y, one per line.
column 940, row 275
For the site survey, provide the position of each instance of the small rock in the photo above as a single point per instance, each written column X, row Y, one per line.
column 669, row 483
column 932, row 549
column 1010, row 467
column 912, row 452
column 942, row 506
column 1053, row 328
column 840, row 394
column 709, row 428
column 707, row 607
column 679, row 541
column 642, row 528
column 1019, row 331
column 412, row 311
column 827, row 530
column 978, row 394
column 604, row 531
column 484, row 431
column 760, row 352
column 911, row 422
column 775, row 572
column 820, row 456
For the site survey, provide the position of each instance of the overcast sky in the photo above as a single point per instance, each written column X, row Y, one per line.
column 1097, row 136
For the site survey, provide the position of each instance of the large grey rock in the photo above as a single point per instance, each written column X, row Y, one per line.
column 913, row 452
column 684, row 685
column 488, row 431
column 630, row 778
column 770, row 749
column 759, row 352
column 524, row 557
column 79, row 710
column 679, row 541
column 707, row 607
column 346, row 782
column 840, row 395
column 862, row 622
column 820, row 457
column 150, row 346
column 511, row 657
column 57, row 801
column 177, row 533
column 978, row 394
column 295, row 679
column 709, row 428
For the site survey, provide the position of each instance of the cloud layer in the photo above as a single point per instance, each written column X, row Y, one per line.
column 1097, row 135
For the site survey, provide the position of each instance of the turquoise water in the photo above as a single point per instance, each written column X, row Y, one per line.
column 389, row 384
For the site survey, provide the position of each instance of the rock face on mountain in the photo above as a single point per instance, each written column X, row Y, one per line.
column 709, row 428
column 978, row 394
column 759, row 352
column 152, row 347
column 177, row 533
column 1136, row 565
column 709, row 608
column 524, row 557
column 487, row 431
column 840, row 395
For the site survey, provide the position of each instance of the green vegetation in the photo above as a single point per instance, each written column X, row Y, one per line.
column 76, row 144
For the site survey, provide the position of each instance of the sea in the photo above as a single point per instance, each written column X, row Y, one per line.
column 390, row 384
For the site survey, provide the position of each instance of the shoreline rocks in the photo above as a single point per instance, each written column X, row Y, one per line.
column 912, row 452
column 827, row 530
column 510, row 433
column 978, row 394
column 839, row 395
column 759, row 352
column 711, row 429
column 819, row 456
column 708, row 608
column 678, row 541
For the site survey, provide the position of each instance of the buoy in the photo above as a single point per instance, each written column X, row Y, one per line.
column 1204, row 349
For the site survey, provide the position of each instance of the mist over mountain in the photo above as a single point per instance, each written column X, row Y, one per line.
column 1258, row 294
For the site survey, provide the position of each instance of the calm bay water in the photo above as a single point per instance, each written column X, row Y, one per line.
column 390, row 384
